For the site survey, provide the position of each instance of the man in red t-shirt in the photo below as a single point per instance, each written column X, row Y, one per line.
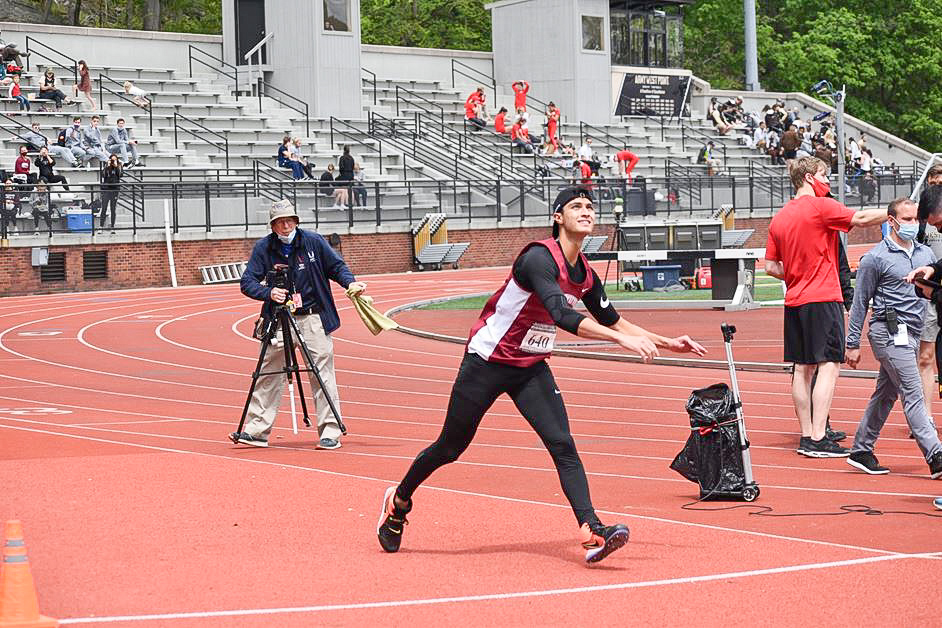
column 802, row 250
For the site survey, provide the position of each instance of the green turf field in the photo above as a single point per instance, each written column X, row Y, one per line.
column 767, row 289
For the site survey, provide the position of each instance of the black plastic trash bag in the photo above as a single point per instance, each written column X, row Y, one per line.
column 712, row 456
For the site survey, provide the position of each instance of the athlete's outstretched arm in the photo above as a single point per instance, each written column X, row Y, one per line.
column 679, row 344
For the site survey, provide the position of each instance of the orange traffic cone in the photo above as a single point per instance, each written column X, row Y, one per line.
column 19, row 607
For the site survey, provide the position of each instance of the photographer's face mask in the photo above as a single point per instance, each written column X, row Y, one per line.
column 288, row 239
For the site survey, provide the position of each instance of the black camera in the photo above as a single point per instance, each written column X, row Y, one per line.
column 277, row 277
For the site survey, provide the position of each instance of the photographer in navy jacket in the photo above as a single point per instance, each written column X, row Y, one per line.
column 309, row 262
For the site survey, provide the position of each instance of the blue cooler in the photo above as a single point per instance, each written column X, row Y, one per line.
column 78, row 219
column 660, row 276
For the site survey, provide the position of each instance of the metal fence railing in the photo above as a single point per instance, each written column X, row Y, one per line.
column 216, row 202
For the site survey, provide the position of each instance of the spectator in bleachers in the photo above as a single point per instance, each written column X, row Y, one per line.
column 11, row 54
column 46, row 165
column 760, row 138
column 138, row 95
column 326, row 185
column 585, row 154
column 805, row 149
column 4, row 78
column 715, row 115
column 626, row 162
column 84, row 84
column 474, row 108
column 9, row 206
column 120, row 142
column 359, row 188
column 36, row 140
column 345, row 165
column 520, row 94
column 284, row 158
column 50, row 91
column 791, row 141
column 822, row 152
column 500, row 124
column 21, row 168
column 39, row 203
column 552, row 123
column 296, row 156
column 934, row 177
column 110, row 187
column 74, row 143
column 16, row 93
column 775, row 151
column 92, row 143
column 583, row 173
column 519, row 137
column 706, row 157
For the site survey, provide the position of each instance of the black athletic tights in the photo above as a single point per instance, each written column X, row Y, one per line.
column 534, row 392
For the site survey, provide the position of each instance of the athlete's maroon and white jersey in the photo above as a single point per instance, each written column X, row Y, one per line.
column 514, row 327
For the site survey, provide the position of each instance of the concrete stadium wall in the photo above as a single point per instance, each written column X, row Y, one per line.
column 430, row 64
column 144, row 264
column 116, row 47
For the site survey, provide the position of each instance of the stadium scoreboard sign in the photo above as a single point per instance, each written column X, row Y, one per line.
column 652, row 94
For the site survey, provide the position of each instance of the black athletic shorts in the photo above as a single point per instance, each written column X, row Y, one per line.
column 791, row 154
column 814, row 333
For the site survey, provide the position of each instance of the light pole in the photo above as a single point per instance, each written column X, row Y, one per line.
column 837, row 97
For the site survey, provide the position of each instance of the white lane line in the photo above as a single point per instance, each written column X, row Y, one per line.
column 429, row 487
column 348, row 452
column 126, row 422
column 495, row 596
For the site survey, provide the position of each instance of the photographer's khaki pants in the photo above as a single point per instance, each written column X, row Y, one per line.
column 267, row 396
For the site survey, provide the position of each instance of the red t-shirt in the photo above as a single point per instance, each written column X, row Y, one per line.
column 586, row 171
column 499, row 123
column 802, row 237
column 520, row 94
column 515, row 131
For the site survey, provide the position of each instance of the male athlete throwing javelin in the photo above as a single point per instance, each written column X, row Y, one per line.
column 506, row 353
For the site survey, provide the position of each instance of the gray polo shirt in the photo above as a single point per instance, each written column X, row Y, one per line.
column 880, row 281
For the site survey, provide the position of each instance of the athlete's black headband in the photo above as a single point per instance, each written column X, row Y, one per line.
column 565, row 196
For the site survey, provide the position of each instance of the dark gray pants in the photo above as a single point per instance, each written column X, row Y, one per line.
column 899, row 377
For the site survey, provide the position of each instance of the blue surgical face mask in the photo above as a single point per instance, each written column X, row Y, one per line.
column 907, row 232
column 287, row 239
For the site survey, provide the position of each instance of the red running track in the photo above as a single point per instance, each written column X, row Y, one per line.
column 114, row 410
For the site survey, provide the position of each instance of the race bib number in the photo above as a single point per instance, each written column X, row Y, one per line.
column 540, row 338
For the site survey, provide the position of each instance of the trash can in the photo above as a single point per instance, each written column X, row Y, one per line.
column 660, row 276
column 78, row 219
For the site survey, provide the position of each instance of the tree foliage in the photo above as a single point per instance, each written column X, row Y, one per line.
column 183, row 16
column 888, row 55
column 454, row 24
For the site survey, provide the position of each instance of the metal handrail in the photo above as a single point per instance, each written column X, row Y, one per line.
column 260, row 83
column 373, row 81
column 36, row 42
column 706, row 137
column 351, row 135
column 224, row 146
column 441, row 110
column 485, row 75
column 264, row 40
column 235, row 70
column 11, row 131
column 101, row 95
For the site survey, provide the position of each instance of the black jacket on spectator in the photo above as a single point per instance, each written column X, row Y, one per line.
column 110, row 178
column 345, row 165
column 327, row 183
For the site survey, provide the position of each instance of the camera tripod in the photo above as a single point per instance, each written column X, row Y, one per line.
column 284, row 320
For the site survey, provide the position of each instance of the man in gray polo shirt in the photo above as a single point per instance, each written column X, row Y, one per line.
column 895, row 327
